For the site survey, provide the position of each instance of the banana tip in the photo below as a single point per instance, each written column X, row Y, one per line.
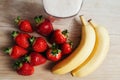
column 81, row 15
column 89, row 20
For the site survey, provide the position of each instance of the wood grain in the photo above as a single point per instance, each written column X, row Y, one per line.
column 104, row 12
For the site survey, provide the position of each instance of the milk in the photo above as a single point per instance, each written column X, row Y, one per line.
column 62, row 8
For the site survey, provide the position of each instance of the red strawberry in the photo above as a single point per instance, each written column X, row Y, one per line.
column 59, row 37
column 44, row 26
column 39, row 44
column 21, row 39
column 16, row 52
column 66, row 48
column 35, row 59
column 24, row 25
column 24, row 68
column 54, row 54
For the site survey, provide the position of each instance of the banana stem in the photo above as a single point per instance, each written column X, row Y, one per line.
column 91, row 23
column 84, row 22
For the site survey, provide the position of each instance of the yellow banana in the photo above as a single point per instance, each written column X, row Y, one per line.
column 81, row 53
column 98, row 54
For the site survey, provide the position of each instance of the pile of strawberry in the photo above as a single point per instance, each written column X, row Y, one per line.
column 29, row 51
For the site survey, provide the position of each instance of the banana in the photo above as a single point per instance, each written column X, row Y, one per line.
column 80, row 54
column 98, row 54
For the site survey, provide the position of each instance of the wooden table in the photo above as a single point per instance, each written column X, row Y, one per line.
column 104, row 12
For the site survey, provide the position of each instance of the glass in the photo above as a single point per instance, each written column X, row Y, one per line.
column 62, row 8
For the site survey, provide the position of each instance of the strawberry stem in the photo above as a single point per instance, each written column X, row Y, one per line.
column 17, row 64
column 26, row 58
column 39, row 19
column 65, row 32
column 7, row 50
column 17, row 20
column 55, row 49
column 70, row 42
column 14, row 34
column 31, row 40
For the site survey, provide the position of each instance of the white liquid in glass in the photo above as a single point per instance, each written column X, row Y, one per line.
column 62, row 8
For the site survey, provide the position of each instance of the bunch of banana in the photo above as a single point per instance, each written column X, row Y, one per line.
column 89, row 54
column 98, row 54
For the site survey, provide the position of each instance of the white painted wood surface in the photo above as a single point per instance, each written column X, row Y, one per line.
column 103, row 12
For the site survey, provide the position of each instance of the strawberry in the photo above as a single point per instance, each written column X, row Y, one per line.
column 24, row 25
column 35, row 59
column 39, row 44
column 44, row 26
column 59, row 37
column 66, row 48
column 21, row 39
column 53, row 53
column 16, row 52
column 23, row 68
